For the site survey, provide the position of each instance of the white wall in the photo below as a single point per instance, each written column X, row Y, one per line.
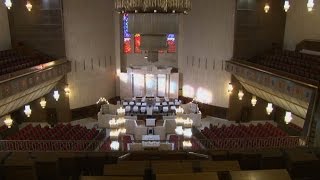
column 207, row 33
column 301, row 24
column 90, row 37
column 5, row 39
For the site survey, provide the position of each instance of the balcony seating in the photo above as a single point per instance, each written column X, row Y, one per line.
column 12, row 60
column 303, row 65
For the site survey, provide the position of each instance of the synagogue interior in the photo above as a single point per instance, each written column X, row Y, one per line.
column 159, row 89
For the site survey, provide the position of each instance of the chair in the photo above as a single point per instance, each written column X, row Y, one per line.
column 158, row 104
column 125, row 103
column 171, row 103
column 138, row 104
column 128, row 109
column 155, row 109
column 165, row 109
column 164, row 104
column 135, row 109
column 166, row 99
column 157, row 99
column 144, row 104
column 143, row 109
column 177, row 103
column 172, row 108
column 131, row 103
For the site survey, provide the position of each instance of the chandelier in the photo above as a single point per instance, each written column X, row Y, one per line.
column 286, row 5
column 288, row 117
column 153, row 6
column 240, row 95
column 56, row 95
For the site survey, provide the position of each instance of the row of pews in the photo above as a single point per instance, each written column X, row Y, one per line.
column 222, row 165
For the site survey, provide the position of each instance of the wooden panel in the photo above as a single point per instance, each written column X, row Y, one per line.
column 110, row 178
column 188, row 176
column 279, row 174
column 121, row 169
column 215, row 166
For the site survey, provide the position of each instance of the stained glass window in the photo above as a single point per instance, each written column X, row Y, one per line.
column 126, row 35
column 137, row 43
column 171, row 40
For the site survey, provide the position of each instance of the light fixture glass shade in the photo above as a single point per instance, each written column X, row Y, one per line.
column 67, row 90
column 113, row 123
column 240, row 95
column 56, row 95
column 27, row 110
column 188, row 123
column 254, row 101
column 115, row 145
column 121, row 111
column 43, row 103
column 310, row 5
column 8, row 121
column 269, row 108
column 230, row 88
column 286, row 5
column 8, row 4
column 179, row 130
column 266, row 8
column 288, row 117
column 29, row 6
column 114, row 134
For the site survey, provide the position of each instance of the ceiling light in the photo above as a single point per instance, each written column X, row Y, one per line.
column 8, row 3
column 240, row 95
column 8, row 121
column 266, row 8
column 286, row 5
column 254, row 101
column 27, row 110
column 43, row 103
column 310, row 5
column 56, row 95
column 29, row 6
column 269, row 108
column 288, row 117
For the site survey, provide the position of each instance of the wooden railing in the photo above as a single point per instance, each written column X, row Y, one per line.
column 93, row 145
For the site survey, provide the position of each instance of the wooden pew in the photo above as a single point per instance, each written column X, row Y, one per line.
column 215, row 166
column 170, row 167
column 188, row 176
column 123, row 169
column 110, row 178
column 276, row 174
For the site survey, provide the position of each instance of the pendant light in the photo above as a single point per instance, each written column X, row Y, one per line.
column 288, row 117
column 56, row 95
column 269, row 108
column 8, row 4
column 310, row 5
column 43, row 103
column 8, row 121
column 230, row 88
column 29, row 6
column 286, row 5
column 240, row 94
column 27, row 110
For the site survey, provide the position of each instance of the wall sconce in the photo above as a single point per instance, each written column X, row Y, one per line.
column 254, row 101
column 8, row 121
column 269, row 108
column 310, row 5
column 29, row 6
column 240, row 95
column 56, row 95
column 8, row 4
column 43, row 103
column 266, row 8
column 67, row 90
column 230, row 88
column 288, row 117
column 286, row 5
column 27, row 110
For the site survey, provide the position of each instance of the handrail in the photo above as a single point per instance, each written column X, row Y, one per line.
column 252, row 66
column 32, row 70
column 255, row 143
